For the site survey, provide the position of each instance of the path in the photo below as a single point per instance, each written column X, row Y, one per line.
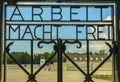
column 17, row 75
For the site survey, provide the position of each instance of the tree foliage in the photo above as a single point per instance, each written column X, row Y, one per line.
column 21, row 57
column 25, row 57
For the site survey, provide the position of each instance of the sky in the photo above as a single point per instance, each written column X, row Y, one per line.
column 67, row 30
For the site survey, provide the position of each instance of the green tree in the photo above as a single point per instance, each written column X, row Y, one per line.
column 90, row 53
column 37, row 58
column 96, row 53
column 10, row 61
column 102, row 52
column 21, row 57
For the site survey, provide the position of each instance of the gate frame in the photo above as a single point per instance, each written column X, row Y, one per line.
column 117, row 47
column 118, row 40
column 1, row 47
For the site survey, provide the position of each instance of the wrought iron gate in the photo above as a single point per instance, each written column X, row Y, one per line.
column 47, row 25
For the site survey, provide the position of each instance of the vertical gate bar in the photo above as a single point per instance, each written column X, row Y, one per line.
column 118, row 41
column 51, row 32
column 114, row 64
column 31, row 58
column 118, row 61
column 76, row 32
column 43, row 32
column 60, row 60
column 1, row 25
column 113, row 35
column 57, row 32
column 87, row 13
column 101, row 14
column 117, row 34
column 88, row 57
column 5, row 60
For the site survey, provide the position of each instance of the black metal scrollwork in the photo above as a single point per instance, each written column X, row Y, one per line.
column 7, row 49
column 63, row 48
column 45, row 42
column 111, row 49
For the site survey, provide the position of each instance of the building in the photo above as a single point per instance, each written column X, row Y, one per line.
column 94, row 61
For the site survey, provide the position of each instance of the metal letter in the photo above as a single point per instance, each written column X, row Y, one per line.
column 37, row 14
column 16, row 13
column 27, row 31
column 56, row 13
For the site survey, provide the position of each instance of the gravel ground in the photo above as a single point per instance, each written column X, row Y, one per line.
column 17, row 75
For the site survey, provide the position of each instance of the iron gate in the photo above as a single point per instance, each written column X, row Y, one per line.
column 49, row 22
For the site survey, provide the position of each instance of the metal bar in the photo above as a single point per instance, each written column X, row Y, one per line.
column 59, row 69
column 86, row 13
column 5, row 68
column 91, row 1
column 1, row 38
column 44, row 64
column 31, row 58
column 57, row 22
column 75, row 64
column 118, row 63
column 114, row 62
column 61, row 23
column 77, row 33
column 57, row 39
column 43, row 33
column 64, row 4
column 112, row 18
column 57, row 32
column 118, row 41
column 4, row 57
column 114, row 45
column 101, row 6
column 100, row 64
column 18, row 63
column 101, row 14
column 51, row 32
column 88, row 57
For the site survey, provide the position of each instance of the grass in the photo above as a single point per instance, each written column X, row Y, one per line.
column 105, row 77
